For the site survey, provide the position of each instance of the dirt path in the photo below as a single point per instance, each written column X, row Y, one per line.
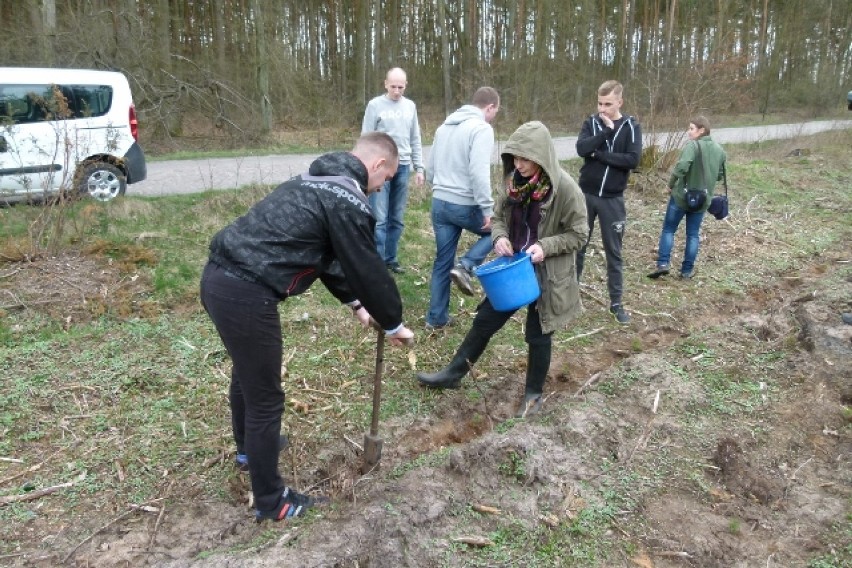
column 191, row 176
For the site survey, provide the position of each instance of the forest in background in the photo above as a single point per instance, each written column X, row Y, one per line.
column 238, row 70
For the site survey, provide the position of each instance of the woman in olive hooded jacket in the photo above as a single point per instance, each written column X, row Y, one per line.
column 540, row 211
column 700, row 166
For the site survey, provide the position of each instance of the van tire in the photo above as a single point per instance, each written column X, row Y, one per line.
column 102, row 181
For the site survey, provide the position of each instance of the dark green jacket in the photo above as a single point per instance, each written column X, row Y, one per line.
column 562, row 231
column 687, row 175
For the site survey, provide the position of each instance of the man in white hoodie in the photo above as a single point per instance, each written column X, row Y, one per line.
column 459, row 169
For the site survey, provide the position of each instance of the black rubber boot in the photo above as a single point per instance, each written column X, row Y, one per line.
column 538, row 363
column 468, row 353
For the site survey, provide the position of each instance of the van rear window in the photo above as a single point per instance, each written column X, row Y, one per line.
column 33, row 103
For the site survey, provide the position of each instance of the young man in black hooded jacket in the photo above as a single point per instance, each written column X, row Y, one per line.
column 316, row 226
column 610, row 144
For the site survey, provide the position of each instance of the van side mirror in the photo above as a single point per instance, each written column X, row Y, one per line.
column 4, row 146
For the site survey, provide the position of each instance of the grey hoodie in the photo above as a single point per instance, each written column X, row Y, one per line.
column 459, row 166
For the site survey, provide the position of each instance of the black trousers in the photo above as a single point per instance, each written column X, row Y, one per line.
column 246, row 316
column 489, row 321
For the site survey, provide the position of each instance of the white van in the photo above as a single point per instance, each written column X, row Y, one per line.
column 67, row 129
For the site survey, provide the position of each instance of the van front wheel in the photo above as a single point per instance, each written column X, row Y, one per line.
column 102, row 181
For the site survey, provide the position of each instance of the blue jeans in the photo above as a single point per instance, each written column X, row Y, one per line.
column 448, row 221
column 670, row 224
column 388, row 207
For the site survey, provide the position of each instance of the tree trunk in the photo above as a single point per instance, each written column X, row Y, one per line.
column 361, row 52
column 49, row 22
column 261, row 65
column 445, row 57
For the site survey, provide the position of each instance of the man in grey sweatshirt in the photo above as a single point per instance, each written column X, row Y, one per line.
column 396, row 116
column 459, row 169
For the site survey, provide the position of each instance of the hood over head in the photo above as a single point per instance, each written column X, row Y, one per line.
column 531, row 141
column 340, row 164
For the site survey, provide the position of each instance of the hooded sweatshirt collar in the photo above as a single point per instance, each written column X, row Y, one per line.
column 340, row 164
column 467, row 112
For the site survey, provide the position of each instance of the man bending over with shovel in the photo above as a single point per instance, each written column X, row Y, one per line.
column 317, row 225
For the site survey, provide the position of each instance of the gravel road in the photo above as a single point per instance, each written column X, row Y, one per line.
column 191, row 176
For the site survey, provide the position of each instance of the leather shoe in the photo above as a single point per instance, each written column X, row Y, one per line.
column 396, row 268
column 461, row 278
column 443, row 379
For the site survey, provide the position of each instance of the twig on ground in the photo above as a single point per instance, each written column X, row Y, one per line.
column 676, row 553
column 800, row 467
column 647, row 431
column 309, row 389
column 31, row 469
column 75, row 386
column 588, row 383
column 355, row 444
column 293, row 465
column 476, row 384
column 160, row 516
column 26, row 306
column 642, row 441
column 210, row 353
column 487, row 509
column 79, row 289
column 655, row 314
column 747, row 207
column 318, row 484
column 478, row 541
column 98, row 531
column 12, row 460
column 210, row 462
column 582, row 335
column 5, row 500
column 593, row 297
column 10, row 274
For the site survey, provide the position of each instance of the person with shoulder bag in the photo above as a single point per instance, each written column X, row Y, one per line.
column 693, row 179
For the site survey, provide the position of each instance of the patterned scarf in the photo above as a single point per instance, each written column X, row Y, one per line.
column 523, row 190
column 525, row 198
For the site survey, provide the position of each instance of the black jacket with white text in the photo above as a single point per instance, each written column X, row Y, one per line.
column 314, row 226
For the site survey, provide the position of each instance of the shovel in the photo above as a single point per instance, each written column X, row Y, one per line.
column 372, row 442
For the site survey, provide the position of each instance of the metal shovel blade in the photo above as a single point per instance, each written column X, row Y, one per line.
column 372, row 452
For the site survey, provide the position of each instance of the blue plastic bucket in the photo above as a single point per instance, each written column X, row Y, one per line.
column 509, row 282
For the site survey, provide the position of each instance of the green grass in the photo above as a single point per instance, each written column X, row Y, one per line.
column 137, row 388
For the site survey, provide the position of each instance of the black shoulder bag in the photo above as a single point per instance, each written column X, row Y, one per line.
column 719, row 204
column 695, row 198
